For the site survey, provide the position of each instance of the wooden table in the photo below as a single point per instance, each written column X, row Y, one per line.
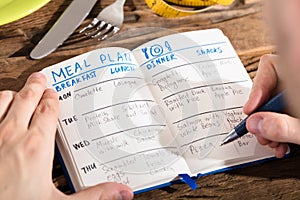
column 278, row 179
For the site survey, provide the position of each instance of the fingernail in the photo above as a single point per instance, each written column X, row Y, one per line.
column 125, row 195
column 255, row 125
column 50, row 90
column 36, row 75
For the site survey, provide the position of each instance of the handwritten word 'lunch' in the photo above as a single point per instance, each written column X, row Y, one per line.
column 122, row 68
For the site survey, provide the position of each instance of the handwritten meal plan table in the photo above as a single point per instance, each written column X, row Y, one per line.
column 243, row 25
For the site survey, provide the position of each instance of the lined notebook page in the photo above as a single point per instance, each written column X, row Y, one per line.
column 110, row 123
column 201, row 85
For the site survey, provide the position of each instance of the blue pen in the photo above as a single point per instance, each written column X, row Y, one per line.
column 276, row 104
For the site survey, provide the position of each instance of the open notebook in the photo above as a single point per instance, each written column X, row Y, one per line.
column 141, row 117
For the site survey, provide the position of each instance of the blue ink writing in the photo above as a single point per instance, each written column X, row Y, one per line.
column 168, row 46
column 122, row 68
column 158, row 61
column 116, row 57
column 207, row 51
column 144, row 50
column 70, row 70
column 74, row 81
column 156, row 50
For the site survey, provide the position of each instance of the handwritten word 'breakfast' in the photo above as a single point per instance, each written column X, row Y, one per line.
column 74, row 81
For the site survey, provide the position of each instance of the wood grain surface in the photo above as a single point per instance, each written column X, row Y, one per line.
column 243, row 24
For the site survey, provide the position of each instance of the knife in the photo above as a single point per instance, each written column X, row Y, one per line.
column 67, row 23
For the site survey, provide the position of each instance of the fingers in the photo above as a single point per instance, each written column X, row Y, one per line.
column 269, row 128
column 274, row 130
column 256, row 98
column 26, row 101
column 274, row 127
column 281, row 149
column 6, row 98
column 45, row 117
column 113, row 191
column 265, row 82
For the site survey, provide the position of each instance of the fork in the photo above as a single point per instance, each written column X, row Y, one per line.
column 107, row 23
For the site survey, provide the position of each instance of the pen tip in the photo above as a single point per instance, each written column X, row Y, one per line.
column 232, row 135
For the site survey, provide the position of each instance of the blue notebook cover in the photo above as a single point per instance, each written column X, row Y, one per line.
column 181, row 180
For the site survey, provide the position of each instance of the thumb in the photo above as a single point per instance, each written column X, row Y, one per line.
column 104, row 191
column 274, row 127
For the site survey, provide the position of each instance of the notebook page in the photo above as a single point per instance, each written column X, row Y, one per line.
column 201, row 86
column 110, row 124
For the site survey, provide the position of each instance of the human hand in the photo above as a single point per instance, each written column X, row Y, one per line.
column 27, row 130
column 272, row 129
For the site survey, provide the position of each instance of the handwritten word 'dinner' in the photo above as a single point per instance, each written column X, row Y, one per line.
column 160, row 60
